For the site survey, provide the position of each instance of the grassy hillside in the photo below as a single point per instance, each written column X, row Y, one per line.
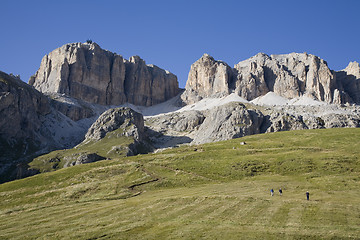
column 113, row 145
column 212, row 191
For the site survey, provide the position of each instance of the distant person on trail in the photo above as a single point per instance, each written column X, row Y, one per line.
column 307, row 196
column 280, row 191
column 272, row 192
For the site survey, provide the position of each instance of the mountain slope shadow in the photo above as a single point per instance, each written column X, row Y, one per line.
column 160, row 140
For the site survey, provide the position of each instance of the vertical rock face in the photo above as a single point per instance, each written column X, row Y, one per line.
column 288, row 75
column 350, row 80
column 250, row 77
column 230, row 121
column 87, row 72
column 208, row 77
column 21, row 109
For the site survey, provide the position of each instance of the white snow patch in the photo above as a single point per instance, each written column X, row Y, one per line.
column 172, row 105
column 162, row 108
column 208, row 103
column 270, row 99
column 305, row 101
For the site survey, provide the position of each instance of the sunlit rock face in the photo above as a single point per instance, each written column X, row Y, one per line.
column 87, row 72
column 288, row 75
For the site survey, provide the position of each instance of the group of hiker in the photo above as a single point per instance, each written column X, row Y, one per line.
column 280, row 192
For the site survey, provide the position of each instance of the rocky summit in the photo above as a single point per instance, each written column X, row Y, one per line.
column 90, row 73
column 288, row 75
column 69, row 105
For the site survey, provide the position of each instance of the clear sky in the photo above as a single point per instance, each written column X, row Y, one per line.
column 173, row 34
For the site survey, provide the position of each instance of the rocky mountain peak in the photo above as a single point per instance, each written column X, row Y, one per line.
column 353, row 69
column 86, row 71
column 136, row 59
column 206, row 57
column 288, row 75
column 208, row 77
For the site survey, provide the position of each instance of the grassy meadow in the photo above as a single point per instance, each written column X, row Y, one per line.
column 213, row 191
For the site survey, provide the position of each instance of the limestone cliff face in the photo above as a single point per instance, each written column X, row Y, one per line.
column 21, row 109
column 350, row 79
column 87, row 72
column 288, row 75
column 208, row 77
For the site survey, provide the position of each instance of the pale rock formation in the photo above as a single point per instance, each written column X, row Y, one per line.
column 118, row 123
column 129, row 122
column 250, row 81
column 87, row 72
column 208, row 77
column 278, row 121
column 353, row 69
column 180, row 122
column 230, row 121
column 288, row 75
column 350, row 80
column 341, row 121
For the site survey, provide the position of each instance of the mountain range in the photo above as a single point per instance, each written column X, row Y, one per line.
column 91, row 104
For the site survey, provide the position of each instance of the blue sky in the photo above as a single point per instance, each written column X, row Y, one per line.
column 174, row 34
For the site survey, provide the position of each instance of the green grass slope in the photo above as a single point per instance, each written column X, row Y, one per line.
column 212, row 191
column 113, row 145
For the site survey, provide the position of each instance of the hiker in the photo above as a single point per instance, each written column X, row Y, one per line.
column 272, row 192
column 280, row 191
column 307, row 195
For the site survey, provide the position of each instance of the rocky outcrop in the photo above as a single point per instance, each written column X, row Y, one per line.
column 75, row 109
column 233, row 120
column 128, row 123
column 180, row 122
column 280, row 121
column 230, row 121
column 120, row 123
column 118, row 132
column 21, row 109
column 288, row 75
column 350, row 80
column 208, row 77
column 87, row 72
column 32, row 124
column 23, row 105
column 81, row 158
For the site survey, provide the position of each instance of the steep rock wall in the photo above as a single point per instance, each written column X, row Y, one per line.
column 288, row 75
column 87, row 72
